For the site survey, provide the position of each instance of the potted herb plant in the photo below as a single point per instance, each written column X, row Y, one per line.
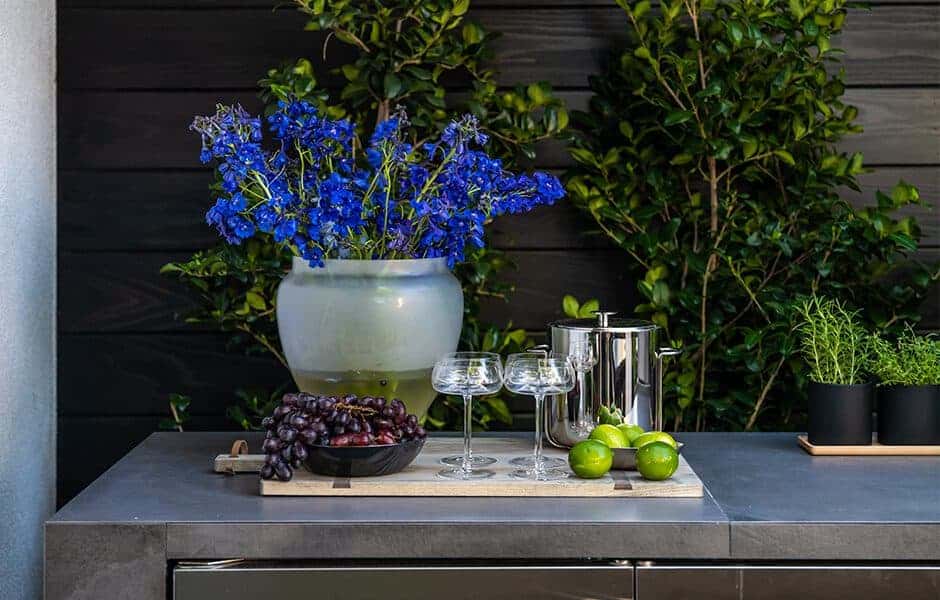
column 835, row 347
column 908, row 373
column 374, row 229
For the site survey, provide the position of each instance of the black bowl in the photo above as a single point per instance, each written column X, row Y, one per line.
column 362, row 461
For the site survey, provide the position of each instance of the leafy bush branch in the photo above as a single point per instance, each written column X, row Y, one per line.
column 709, row 156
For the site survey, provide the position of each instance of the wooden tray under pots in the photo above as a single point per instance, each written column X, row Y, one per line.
column 875, row 449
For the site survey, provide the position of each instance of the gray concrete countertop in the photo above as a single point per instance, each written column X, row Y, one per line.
column 766, row 500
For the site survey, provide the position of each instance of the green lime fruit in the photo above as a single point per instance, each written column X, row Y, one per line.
column 653, row 436
column 657, row 461
column 590, row 459
column 631, row 432
column 609, row 435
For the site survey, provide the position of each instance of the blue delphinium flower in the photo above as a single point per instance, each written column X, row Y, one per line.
column 311, row 193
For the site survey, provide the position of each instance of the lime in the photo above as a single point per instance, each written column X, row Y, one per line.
column 590, row 459
column 653, row 436
column 657, row 461
column 609, row 435
column 631, row 432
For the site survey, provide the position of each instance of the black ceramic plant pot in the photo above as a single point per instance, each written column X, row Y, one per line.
column 840, row 415
column 909, row 414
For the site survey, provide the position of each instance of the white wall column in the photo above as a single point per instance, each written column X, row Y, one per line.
column 27, row 290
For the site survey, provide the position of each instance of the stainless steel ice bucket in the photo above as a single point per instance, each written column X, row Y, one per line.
column 627, row 375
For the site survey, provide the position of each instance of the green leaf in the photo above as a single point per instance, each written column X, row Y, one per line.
column 642, row 53
column 392, row 85
column 661, row 293
column 749, row 149
column 785, row 157
column 570, row 306
column 905, row 241
column 589, row 308
column 350, row 71
column 640, row 10
column 460, row 7
column 472, row 33
column 256, row 300
column 681, row 159
column 626, row 129
column 677, row 117
column 538, row 94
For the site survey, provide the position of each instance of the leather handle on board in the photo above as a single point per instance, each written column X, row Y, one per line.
column 239, row 447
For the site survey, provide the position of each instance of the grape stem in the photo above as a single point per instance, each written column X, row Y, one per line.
column 363, row 411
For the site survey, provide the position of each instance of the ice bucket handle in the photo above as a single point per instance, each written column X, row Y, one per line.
column 660, row 354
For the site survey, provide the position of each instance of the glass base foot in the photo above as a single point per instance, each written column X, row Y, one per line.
column 458, row 473
column 540, row 475
column 475, row 461
column 548, row 462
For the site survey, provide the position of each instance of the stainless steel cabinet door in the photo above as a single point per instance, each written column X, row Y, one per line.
column 601, row 582
column 670, row 582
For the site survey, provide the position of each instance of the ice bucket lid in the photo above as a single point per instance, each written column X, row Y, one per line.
column 605, row 321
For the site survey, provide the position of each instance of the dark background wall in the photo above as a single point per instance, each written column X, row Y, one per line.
column 132, row 194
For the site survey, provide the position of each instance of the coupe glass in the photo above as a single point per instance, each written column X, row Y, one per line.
column 539, row 376
column 527, row 462
column 475, row 459
column 468, row 374
column 582, row 357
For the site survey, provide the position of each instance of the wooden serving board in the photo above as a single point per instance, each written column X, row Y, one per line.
column 875, row 449
column 421, row 478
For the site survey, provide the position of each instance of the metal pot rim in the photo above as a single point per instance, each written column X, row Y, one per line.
column 613, row 325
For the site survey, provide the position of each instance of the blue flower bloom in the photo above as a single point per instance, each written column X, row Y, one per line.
column 312, row 194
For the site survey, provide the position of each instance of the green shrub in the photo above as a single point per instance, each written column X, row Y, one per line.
column 709, row 157
column 911, row 360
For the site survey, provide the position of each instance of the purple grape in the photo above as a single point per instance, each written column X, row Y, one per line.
column 287, row 434
column 267, row 472
column 309, row 435
column 300, row 451
column 272, row 445
column 284, row 472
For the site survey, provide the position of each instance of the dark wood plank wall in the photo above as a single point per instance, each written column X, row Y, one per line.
column 132, row 73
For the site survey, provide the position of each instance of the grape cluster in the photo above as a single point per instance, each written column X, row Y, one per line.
column 304, row 420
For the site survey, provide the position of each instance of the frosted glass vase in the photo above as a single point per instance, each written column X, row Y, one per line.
column 369, row 327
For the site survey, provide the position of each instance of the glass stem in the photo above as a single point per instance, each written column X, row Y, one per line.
column 582, row 400
column 537, row 454
column 467, row 432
